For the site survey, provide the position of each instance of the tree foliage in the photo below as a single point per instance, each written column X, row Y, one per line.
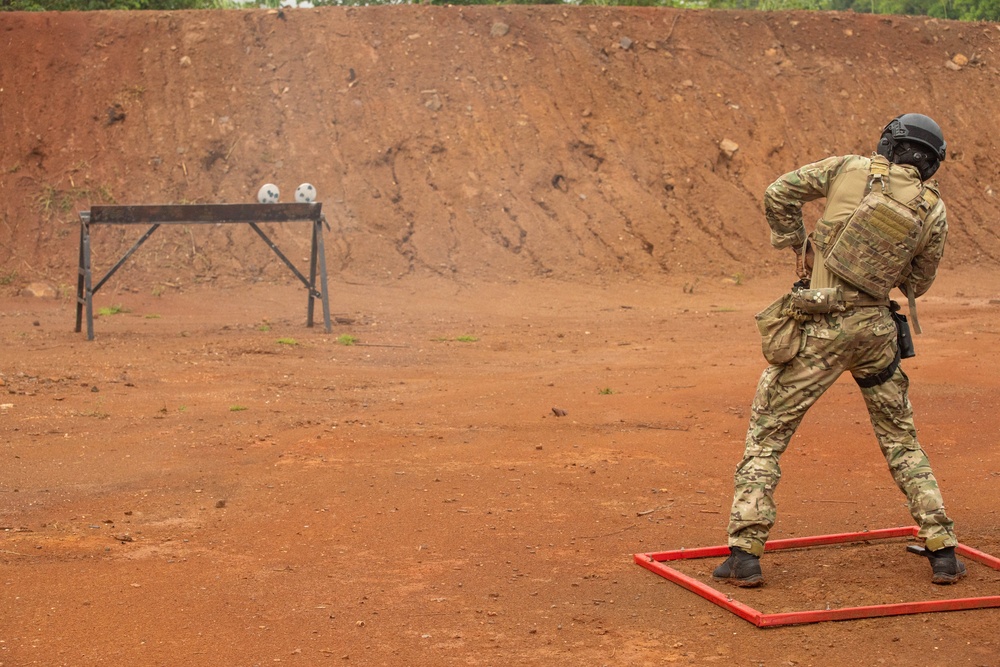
column 966, row 10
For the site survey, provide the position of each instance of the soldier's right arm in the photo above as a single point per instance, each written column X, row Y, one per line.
column 784, row 198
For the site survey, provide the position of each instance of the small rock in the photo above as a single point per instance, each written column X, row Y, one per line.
column 953, row 66
column 499, row 29
column 625, row 43
column 559, row 412
column 39, row 290
column 728, row 148
column 116, row 114
column 960, row 60
column 185, row 61
column 434, row 103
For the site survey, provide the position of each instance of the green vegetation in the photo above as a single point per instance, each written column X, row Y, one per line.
column 112, row 310
column 966, row 10
column 607, row 391
column 466, row 338
column 346, row 339
column 237, row 408
column 8, row 278
column 287, row 341
column 51, row 200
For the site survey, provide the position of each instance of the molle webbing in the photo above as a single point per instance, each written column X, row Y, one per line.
column 876, row 244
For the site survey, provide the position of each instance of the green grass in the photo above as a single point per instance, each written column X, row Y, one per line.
column 51, row 200
column 8, row 278
column 237, row 408
column 607, row 391
column 346, row 339
column 287, row 341
column 465, row 338
column 112, row 310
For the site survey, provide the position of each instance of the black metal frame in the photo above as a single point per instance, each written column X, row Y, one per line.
column 182, row 214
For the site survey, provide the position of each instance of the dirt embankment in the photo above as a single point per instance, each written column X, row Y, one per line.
column 475, row 143
column 211, row 483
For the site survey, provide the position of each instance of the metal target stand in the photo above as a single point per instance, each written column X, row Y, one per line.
column 655, row 562
column 183, row 214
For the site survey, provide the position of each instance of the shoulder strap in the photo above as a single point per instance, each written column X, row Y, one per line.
column 878, row 171
column 929, row 198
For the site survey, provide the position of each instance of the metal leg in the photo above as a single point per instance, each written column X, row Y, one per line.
column 321, row 250
column 311, row 305
column 79, row 277
column 88, row 293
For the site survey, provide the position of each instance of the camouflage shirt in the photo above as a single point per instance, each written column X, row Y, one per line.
column 843, row 181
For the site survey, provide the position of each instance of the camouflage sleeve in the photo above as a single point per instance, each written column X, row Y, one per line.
column 784, row 198
column 923, row 268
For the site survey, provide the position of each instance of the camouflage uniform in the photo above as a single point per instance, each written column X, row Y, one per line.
column 860, row 340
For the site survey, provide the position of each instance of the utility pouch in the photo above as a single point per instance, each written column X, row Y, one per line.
column 780, row 331
column 904, row 341
column 819, row 301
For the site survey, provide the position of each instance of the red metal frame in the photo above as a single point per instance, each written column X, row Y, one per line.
column 654, row 562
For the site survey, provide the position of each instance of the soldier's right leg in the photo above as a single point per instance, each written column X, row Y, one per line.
column 784, row 394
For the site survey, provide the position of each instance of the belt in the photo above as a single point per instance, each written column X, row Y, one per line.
column 865, row 303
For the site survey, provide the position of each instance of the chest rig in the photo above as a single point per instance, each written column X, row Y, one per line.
column 872, row 250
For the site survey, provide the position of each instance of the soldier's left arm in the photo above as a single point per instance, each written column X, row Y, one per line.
column 923, row 267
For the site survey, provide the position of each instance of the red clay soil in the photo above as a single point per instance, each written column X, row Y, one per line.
column 530, row 208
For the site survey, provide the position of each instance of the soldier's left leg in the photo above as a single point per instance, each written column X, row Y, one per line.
column 892, row 418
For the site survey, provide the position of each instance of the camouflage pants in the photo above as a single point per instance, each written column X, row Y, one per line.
column 861, row 341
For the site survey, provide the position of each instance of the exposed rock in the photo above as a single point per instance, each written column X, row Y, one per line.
column 40, row 290
column 728, row 148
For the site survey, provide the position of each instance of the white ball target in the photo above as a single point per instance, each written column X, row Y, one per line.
column 268, row 194
column 305, row 193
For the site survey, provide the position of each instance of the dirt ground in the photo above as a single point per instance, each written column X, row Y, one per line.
column 187, row 489
column 530, row 212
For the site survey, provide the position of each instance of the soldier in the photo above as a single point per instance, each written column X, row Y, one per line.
column 883, row 227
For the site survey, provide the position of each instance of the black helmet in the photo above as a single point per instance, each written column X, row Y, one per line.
column 906, row 140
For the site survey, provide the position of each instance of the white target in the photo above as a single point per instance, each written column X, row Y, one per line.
column 305, row 193
column 268, row 194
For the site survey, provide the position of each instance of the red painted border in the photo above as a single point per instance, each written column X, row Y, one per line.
column 654, row 562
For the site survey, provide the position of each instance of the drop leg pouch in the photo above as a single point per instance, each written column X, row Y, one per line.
column 780, row 331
